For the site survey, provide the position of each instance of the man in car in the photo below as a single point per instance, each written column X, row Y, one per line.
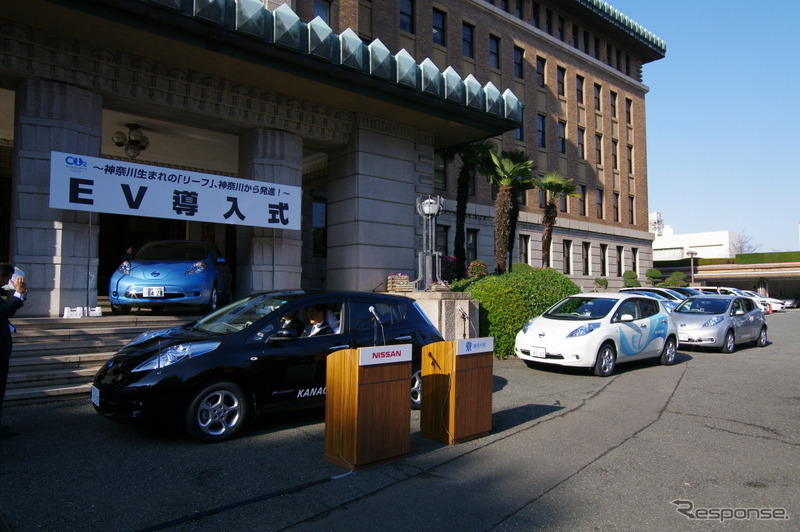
column 316, row 319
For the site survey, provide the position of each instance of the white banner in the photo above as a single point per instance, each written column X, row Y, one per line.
column 82, row 183
column 471, row 346
column 384, row 354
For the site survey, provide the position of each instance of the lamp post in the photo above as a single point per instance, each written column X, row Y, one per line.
column 692, row 255
column 430, row 260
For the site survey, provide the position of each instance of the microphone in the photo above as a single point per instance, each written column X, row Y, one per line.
column 372, row 311
column 463, row 314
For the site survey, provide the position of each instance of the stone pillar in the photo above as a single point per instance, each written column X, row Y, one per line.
column 372, row 206
column 57, row 249
column 269, row 259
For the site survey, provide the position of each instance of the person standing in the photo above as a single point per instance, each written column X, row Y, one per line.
column 8, row 306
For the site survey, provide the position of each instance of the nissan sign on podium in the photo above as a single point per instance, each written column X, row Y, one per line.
column 457, row 389
column 367, row 412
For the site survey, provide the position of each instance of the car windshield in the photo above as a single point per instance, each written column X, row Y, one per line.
column 172, row 251
column 703, row 305
column 581, row 308
column 242, row 313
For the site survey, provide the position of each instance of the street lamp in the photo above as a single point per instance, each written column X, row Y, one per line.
column 692, row 255
column 430, row 260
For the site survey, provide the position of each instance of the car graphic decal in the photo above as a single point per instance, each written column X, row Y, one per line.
column 637, row 339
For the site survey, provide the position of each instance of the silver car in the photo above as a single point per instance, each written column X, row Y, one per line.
column 720, row 321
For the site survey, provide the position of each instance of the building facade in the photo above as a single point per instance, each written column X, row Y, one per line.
column 351, row 101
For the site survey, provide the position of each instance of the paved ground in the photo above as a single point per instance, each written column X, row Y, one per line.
column 568, row 451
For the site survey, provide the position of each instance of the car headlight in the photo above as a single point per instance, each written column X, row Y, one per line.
column 124, row 268
column 713, row 321
column 197, row 267
column 583, row 330
column 528, row 325
column 176, row 353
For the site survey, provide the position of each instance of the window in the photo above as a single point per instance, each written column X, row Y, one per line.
column 630, row 159
column 615, row 205
column 494, row 51
column 504, row 5
column 631, row 212
column 439, row 171
column 524, row 247
column 472, row 245
column 562, row 137
column 561, row 22
column 635, row 259
column 603, row 260
column 620, row 261
column 561, row 73
column 567, row 247
column 541, row 133
column 548, row 21
column 575, row 35
column 542, row 198
column 519, row 134
column 322, row 9
column 628, row 110
column 586, row 42
column 540, row 64
column 582, row 200
column 468, row 40
column 518, row 8
column 563, row 205
column 587, row 258
column 581, row 143
column 609, row 53
column 615, row 154
column 439, row 27
column 627, row 65
column 407, row 15
column 599, row 202
column 597, row 93
column 579, row 88
column 442, row 238
column 598, row 149
column 535, row 14
column 519, row 58
column 613, row 103
column 597, row 48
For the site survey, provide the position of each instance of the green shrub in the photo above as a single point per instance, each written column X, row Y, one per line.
column 521, row 266
column 508, row 301
column 630, row 279
column 654, row 276
column 601, row 283
column 675, row 279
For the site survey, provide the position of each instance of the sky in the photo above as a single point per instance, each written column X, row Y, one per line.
column 723, row 117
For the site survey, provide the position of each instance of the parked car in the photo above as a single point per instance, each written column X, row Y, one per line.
column 685, row 290
column 720, row 321
column 168, row 273
column 789, row 302
column 598, row 330
column 775, row 304
column 668, row 303
column 250, row 357
column 761, row 301
column 664, row 292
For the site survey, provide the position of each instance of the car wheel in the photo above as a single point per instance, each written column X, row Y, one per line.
column 120, row 309
column 730, row 343
column 761, row 341
column 668, row 353
column 213, row 301
column 416, row 389
column 217, row 412
column 605, row 361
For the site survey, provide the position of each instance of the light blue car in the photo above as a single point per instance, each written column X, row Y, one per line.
column 171, row 273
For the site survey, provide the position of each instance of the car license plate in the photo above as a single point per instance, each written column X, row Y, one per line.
column 538, row 352
column 153, row 291
column 95, row 396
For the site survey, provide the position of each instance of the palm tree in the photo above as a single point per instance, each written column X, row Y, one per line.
column 554, row 186
column 474, row 157
column 510, row 173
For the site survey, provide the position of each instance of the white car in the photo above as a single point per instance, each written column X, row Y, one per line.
column 599, row 330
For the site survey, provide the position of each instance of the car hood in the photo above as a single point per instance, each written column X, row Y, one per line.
column 160, row 270
column 692, row 320
column 548, row 328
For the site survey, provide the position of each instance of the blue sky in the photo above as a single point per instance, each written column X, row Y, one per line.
column 722, row 117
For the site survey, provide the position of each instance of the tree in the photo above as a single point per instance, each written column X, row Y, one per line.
column 654, row 276
column 744, row 244
column 510, row 172
column 554, row 185
column 474, row 157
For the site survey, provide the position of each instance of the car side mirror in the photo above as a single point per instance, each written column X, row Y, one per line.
column 738, row 312
column 626, row 317
column 284, row 335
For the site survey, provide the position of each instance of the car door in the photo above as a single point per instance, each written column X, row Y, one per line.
column 742, row 323
column 633, row 333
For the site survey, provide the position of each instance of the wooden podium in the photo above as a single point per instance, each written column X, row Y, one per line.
column 367, row 410
column 457, row 390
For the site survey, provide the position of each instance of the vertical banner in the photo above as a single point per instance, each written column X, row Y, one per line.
column 82, row 183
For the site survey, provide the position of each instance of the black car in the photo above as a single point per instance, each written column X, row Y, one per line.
column 263, row 353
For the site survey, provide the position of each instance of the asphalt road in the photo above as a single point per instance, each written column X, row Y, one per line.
column 712, row 442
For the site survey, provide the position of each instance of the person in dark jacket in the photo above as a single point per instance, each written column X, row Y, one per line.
column 8, row 306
